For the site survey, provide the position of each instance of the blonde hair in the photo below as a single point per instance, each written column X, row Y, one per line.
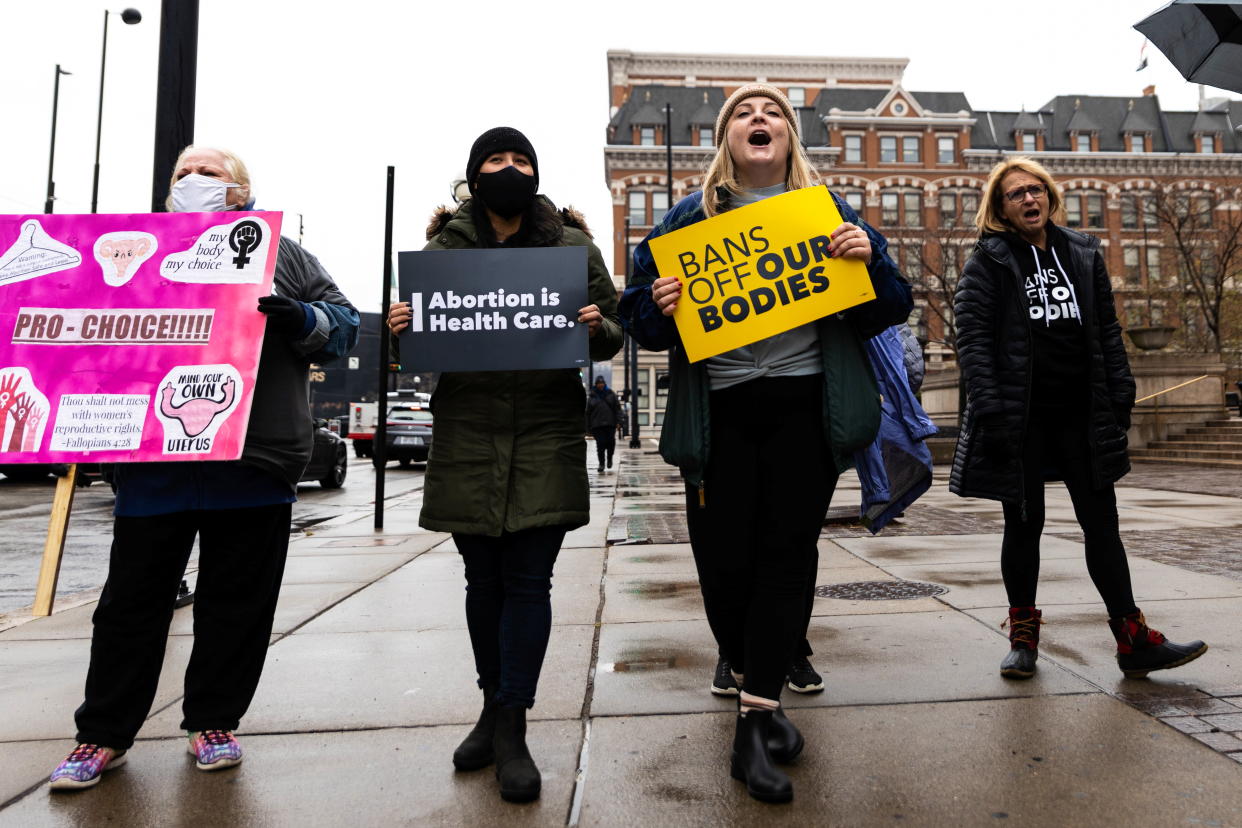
column 722, row 172
column 991, row 215
column 235, row 166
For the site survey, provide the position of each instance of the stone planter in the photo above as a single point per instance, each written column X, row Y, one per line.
column 1151, row 338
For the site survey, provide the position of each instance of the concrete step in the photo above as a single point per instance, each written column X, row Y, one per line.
column 1137, row 455
column 1195, row 445
column 1225, row 433
column 1149, row 453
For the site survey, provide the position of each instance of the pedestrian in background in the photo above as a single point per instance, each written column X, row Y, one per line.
column 603, row 421
column 507, row 472
column 1049, row 393
column 761, row 432
column 239, row 511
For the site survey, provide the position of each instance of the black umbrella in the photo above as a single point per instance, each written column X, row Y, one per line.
column 1203, row 40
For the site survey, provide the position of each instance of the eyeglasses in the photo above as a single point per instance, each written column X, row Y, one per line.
column 1020, row 194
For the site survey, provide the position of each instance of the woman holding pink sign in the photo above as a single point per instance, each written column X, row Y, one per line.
column 239, row 512
column 761, row 432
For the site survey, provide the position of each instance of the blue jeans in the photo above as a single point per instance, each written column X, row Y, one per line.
column 509, row 607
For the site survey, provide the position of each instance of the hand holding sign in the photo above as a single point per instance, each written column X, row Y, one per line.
column 666, row 291
column 849, row 241
column 760, row 270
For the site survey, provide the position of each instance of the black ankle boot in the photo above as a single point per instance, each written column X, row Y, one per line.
column 515, row 769
column 1023, row 623
column 475, row 751
column 784, row 740
column 751, row 762
column 1140, row 649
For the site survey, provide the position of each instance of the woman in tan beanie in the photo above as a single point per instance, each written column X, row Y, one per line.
column 761, row 432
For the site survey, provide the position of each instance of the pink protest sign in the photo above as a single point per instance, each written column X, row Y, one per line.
column 131, row 337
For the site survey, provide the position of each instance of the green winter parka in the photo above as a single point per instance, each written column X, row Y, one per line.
column 508, row 450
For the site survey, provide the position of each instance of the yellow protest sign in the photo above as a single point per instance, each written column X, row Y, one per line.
column 757, row 271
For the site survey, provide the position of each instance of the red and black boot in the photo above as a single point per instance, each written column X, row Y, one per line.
column 1140, row 649
column 1023, row 625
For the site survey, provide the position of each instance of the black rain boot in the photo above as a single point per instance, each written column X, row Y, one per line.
column 785, row 742
column 751, row 762
column 475, row 751
column 515, row 769
column 1019, row 662
column 1140, row 649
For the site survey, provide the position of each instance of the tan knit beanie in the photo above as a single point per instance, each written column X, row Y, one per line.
column 748, row 91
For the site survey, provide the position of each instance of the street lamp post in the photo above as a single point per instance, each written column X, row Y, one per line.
column 631, row 355
column 51, row 158
column 130, row 16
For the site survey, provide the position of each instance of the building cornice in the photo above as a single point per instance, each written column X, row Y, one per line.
column 686, row 160
column 894, row 122
column 624, row 65
column 1149, row 164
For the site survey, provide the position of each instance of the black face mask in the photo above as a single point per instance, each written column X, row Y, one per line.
column 506, row 192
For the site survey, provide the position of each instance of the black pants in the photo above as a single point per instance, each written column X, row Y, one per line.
column 1057, row 438
column 509, row 607
column 241, row 563
column 605, row 443
column 754, row 531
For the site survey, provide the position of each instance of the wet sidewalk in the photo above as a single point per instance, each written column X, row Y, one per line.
column 369, row 683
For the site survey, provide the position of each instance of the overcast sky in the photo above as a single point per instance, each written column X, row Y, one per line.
column 318, row 97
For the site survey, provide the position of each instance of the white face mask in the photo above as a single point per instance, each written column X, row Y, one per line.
column 201, row 194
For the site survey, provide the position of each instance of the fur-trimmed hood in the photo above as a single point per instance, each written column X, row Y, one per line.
column 442, row 215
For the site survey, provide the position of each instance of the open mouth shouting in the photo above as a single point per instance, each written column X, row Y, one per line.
column 759, row 138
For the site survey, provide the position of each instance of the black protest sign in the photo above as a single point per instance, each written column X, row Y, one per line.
column 513, row 309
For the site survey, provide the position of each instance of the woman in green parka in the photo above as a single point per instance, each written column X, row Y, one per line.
column 507, row 473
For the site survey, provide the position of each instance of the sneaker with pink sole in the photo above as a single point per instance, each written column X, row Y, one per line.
column 214, row 749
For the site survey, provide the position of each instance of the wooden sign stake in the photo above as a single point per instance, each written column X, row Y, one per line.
column 54, row 548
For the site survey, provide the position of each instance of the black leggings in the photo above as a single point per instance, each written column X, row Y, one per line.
column 509, row 607
column 240, row 565
column 754, row 531
column 1057, row 438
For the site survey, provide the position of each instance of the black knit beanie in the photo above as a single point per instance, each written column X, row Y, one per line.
column 499, row 139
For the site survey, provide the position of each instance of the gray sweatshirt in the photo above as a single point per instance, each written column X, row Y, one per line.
column 789, row 354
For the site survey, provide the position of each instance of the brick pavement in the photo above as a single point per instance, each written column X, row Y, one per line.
column 1194, row 479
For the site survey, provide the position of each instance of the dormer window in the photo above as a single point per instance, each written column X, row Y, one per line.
column 1138, row 142
column 1207, row 142
column 1028, row 142
column 1082, row 142
column 705, row 136
column 646, row 137
column 797, row 95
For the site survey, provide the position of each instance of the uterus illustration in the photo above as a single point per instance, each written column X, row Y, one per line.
column 121, row 253
column 195, row 415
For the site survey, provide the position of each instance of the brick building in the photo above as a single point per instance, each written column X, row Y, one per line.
column 914, row 163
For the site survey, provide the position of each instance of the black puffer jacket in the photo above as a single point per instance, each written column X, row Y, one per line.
column 994, row 352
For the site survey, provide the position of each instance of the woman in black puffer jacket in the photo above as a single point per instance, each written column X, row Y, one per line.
column 1049, row 393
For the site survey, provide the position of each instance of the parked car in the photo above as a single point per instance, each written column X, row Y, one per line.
column 329, row 458
column 29, row 472
column 409, row 434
